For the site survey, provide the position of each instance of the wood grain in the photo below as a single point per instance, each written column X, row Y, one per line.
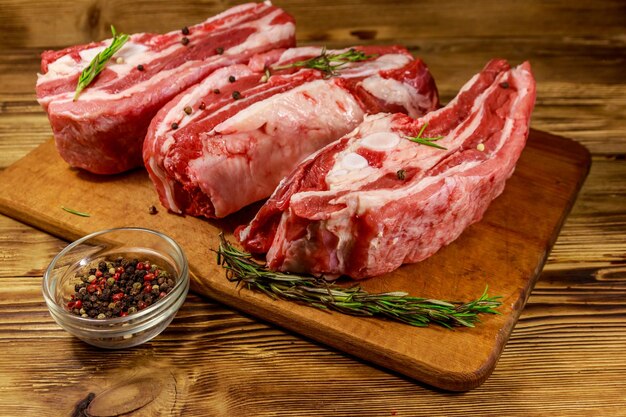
column 565, row 356
column 505, row 250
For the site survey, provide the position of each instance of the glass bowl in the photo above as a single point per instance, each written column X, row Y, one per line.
column 129, row 242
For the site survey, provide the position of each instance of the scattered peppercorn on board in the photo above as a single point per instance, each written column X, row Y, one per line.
column 506, row 251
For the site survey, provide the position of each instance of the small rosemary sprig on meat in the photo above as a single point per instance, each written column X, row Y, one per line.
column 98, row 63
column 426, row 141
column 317, row 292
column 329, row 63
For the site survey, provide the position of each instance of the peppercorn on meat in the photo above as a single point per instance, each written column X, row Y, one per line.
column 101, row 128
column 228, row 141
column 396, row 189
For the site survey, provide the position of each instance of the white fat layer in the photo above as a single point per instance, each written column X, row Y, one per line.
column 361, row 201
column 383, row 63
column 276, row 122
column 66, row 66
column 262, row 36
column 266, row 33
column 131, row 51
column 350, row 168
column 376, row 198
column 296, row 53
column 353, row 161
column 304, row 98
column 87, row 55
column 373, row 129
column 381, row 141
column 340, row 226
column 235, row 123
column 352, row 69
column 134, row 54
column 168, row 191
column 193, row 95
column 160, row 178
column 243, row 234
column 396, row 92
column 98, row 94
column 61, row 68
column 341, row 179
column 510, row 121
column 177, row 113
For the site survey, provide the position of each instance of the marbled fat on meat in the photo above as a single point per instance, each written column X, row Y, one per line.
column 103, row 131
column 373, row 200
column 228, row 153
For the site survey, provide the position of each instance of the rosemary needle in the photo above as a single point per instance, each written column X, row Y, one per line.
column 317, row 292
column 426, row 141
column 78, row 213
column 98, row 63
column 329, row 63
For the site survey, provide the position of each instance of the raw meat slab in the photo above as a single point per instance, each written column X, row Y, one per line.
column 506, row 250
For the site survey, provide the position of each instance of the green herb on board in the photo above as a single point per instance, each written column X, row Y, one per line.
column 78, row 213
column 316, row 292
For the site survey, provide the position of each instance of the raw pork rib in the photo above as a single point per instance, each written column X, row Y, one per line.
column 228, row 141
column 373, row 200
column 103, row 130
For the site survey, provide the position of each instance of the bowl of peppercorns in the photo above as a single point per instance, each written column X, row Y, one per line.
column 117, row 288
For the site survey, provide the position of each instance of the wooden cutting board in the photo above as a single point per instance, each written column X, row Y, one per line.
column 506, row 251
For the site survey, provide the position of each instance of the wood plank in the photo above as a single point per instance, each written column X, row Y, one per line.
column 44, row 24
column 517, row 233
column 595, row 232
column 36, row 249
column 221, row 360
column 565, row 356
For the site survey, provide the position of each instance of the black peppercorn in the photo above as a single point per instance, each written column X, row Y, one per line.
column 236, row 95
column 174, row 125
column 504, row 84
column 112, row 290
column 219, row 50
column 185, row 30
column 140, row 67
column 232, row 79
column 184, row 40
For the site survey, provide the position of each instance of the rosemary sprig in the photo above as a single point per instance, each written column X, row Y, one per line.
column 266, row 75
column 328, row 63
column 317, row 292
column 98, row 63
column 426, row 141
column 78, row 213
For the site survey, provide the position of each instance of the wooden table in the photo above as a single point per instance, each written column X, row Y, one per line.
column 567, row 355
